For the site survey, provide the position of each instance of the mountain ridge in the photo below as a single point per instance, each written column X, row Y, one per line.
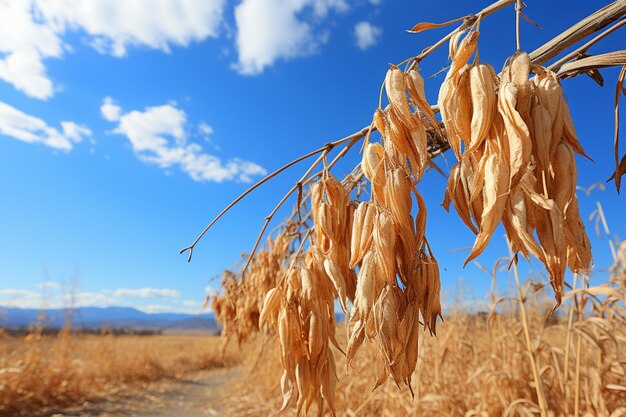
column 111, row 317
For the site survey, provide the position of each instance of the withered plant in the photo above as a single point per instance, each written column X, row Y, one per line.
column 513, row 136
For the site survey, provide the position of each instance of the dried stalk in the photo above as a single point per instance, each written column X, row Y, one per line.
column 541, row 399
column 580, row 52
column 591, row 24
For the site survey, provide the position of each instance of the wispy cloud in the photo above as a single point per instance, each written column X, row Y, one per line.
column 366, row 35
column 26, row 128
column 158, row 135
column 146, row 292
column 19, row 298
column 32, row 31
column 50, row 296
column 269, row 30
column 48, row 285
column 191, row 303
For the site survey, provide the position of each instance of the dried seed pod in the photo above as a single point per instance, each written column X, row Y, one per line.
column 565, row 176
column 496, row 185
column 415, row 86
column 549, row 94
column 338, row 281
column 519, row 70
column 457, row 193
column 372, row 165
column 578, row 246
column 429, row 286
column 542, row 139
column 462, row 105
column 270, row 306
column 446, row 103
column 518, row 134
column 370, row 282
column 483, row 93
column 384, row 245
column 463, row 53
column 395, row 88
column 362, row 229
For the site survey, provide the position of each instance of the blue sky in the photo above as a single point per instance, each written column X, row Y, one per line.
column 124, row 129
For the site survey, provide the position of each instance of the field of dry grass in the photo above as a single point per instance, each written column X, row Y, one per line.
column 44, row 372
column 518, row 361
column 474, row 367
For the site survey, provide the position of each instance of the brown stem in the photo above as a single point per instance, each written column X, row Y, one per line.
column 583, row 28
column 580, row 51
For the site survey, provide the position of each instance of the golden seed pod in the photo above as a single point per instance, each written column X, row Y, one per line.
column 494, row 192
column 464, row 51
column 483, row 93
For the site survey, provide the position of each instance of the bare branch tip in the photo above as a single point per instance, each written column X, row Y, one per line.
column 190, row 249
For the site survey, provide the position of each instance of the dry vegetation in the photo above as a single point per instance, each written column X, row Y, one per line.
column 44, row 372
column 361, row 243
column 481, row 365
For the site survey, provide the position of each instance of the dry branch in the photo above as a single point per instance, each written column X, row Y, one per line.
column 585, row 27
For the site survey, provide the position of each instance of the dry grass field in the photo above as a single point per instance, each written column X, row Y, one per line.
column 475, row 367
column 517, row 361
column 44, row 372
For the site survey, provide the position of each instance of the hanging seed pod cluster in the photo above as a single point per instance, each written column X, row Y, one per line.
column 512, row 134
column 239, row 305
column 515, row 141
column 300, row 309
column 398, row 275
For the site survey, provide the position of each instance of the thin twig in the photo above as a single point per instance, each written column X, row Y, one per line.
column 568, row 341
column 579, row 340
column 518, row 12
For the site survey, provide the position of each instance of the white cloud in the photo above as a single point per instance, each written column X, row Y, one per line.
column 21, row 126
column 32, row 31
column 24, row 43
column 110, row 111
column 114, row 25
column 146, row 292
column 211, row 291
column 158, row 136
column 50, row 296
column 91, row 299
column 19, row 298
column 268, row 30
column 367, row 35
column 205, row 129
column 12, row 292
column 48, row 285
column 165, row 308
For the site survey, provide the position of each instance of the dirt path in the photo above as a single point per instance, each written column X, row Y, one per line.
column 195, row 396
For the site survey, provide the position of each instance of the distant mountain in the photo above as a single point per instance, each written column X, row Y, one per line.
column 112, row 317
